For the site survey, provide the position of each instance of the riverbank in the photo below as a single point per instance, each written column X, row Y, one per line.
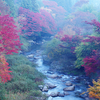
column 60, row 86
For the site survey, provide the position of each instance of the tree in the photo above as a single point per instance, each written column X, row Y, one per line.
column 58, row 12
column 9, row 43
column 33, row 23
column 96, row 24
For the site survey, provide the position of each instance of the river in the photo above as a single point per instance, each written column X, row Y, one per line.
column 59, row 82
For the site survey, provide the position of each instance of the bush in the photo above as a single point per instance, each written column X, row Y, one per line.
column 16, row 96
column 24, row 75
column 94, row 91
column 26, row 45
column 2, row 92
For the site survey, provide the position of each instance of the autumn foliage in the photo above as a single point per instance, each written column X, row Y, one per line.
column 4, row 70
column 58, row 12
column 91, row 64
column 95, row 23
column 69, row 39
column 94, row 91
column 32, row 22
column 9, row 39
column 9, row 43
column 54, row 7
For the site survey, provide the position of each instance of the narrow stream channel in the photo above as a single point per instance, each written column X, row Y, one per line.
column 59, row 82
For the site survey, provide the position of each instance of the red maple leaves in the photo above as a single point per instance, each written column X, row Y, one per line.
column 9, row 38
column 36, row 22
column 94, row 23
column 9, row 43
column 92, row 63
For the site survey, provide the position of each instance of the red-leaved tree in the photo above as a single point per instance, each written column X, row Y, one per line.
column 36, row 22
column 68, row 41
column 92, row 63
column 9, row 43
column 58, row 12
column 95, row 23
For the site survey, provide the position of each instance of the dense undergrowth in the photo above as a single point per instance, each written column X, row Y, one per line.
column 25, row 79
column 73, row 33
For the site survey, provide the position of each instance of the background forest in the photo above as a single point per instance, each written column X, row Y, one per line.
column 68, row 32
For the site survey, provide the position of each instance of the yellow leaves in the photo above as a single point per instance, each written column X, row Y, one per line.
column 94, row 91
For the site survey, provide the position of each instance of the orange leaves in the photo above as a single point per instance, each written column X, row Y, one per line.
column 94, row 91
column 4, row 70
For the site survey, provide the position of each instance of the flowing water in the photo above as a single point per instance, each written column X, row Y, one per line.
column 59, row 82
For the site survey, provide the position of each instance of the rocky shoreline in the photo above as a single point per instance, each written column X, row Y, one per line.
column 60, row 86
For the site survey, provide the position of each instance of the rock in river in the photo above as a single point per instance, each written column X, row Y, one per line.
column 45, row 89
column 53, row 76
column 68, row 83
column 54, row 94
column 70, row 88
column 50, row 85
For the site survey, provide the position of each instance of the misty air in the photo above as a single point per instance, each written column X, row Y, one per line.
column 49, row 50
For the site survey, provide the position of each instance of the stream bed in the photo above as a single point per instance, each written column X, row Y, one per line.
column 60, row 83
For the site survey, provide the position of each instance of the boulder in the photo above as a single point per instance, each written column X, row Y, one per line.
column 68, row 83
column 78, row 93
column 54, row 94
column 78, row 79
column 70, row 88
column 53, row 76
column 40, row 87
column 60, row 76
column 61, row 94
column 51, row 86
column 50, row 72
column 30, row 56
column 45, row 89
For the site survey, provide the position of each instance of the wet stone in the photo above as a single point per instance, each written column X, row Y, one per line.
column 54, row 94
column 61, row 94
column 70, row 88
column 53, row 76
column 68, row 83
column 45, row 89
column 40, row 87
column 51, row 86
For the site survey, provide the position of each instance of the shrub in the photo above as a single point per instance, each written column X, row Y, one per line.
column 24, row 75
column 51, row 48
column 26, row 45
column 2, row 92
column 94, row 91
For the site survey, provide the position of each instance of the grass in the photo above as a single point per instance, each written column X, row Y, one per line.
column 24, row 82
